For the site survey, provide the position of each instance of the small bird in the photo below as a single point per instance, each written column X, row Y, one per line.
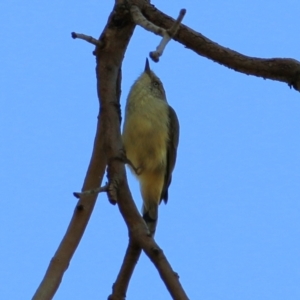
column 150, row 139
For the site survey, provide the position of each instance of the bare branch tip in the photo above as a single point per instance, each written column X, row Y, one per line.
column 74, row 35
column 86, row 38
column 91, row 192
column 154, row 56
column 76, row 195
column 182, row 12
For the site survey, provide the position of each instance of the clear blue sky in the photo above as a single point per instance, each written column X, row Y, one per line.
column 231, row 228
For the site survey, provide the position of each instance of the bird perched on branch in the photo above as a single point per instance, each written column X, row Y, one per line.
column 150, row 139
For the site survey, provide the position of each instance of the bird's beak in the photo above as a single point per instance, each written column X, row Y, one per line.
column 147, row 66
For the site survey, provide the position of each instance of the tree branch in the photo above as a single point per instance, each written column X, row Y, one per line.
column 138, row 234
column 83, row 210
column 281, row 69
column 130, row 260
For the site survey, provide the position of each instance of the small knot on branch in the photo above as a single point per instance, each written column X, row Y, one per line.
column 156, row 250
column 80, row 207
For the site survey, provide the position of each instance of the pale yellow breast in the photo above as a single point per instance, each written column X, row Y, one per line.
column 145, row 133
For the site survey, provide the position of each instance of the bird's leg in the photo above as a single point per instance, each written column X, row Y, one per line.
column 127, row 161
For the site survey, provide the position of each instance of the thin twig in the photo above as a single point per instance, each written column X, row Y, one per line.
column 170, row 33
column 173, row 30
column 98, row 190
column 167, row 35
column 86, row 38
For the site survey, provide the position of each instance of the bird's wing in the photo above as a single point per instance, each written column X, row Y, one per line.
column 171, row 151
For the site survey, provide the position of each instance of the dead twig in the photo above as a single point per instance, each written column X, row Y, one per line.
column 167, row 34
column 86, row 38
column 98, row 190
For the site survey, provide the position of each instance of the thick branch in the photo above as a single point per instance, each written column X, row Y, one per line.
column 131, row 258
column 60, row 262
column 280, row 69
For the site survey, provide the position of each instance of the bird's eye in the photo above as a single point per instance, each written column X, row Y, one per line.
column 156, row 83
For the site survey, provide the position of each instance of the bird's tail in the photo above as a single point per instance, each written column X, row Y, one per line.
column 150, row 215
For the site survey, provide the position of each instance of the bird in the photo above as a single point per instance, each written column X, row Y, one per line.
column 150, row 139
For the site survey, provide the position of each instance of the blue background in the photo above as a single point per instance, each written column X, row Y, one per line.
column 231, row 227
